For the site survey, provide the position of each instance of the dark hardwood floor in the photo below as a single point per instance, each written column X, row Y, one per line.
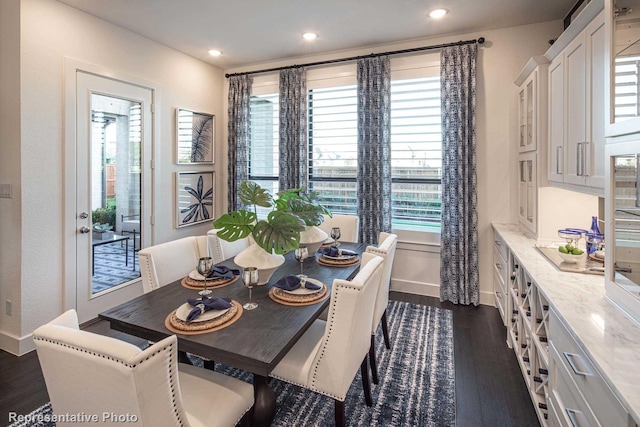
column 490, row 390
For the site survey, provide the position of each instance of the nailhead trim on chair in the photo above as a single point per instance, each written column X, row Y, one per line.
column 377, row 251
column 322, row 350
column 324, row 345
column 147, row 260
column 122, row 362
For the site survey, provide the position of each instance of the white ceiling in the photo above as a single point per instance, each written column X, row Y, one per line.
column 254, row 31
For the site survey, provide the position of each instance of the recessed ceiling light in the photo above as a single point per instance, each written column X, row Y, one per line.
column 214, row 52
column 438, row 13
column 309, row 36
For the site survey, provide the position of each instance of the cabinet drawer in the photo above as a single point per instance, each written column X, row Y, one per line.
column 553, row 419
column 570, row 409
column 499, row 270
column 577, row 366
column 500, row 246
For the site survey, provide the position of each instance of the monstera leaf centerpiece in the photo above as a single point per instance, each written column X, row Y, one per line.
column 278, row 233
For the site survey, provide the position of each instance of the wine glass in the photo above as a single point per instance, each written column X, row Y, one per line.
column 250, row 279
column 205, row 265
column 335, row 235
column 302, row 253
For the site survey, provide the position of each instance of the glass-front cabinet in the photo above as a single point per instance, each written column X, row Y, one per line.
column 622, row 265
column 623, row 66
column 622, row 196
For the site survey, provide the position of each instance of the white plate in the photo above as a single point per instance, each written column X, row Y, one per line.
column 197, row 276
column 183, row 311
column 339, row 258
column 305, row 291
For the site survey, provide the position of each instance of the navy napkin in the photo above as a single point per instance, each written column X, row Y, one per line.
column 335, row 251
column 206, row 304
column 292, row 282
column 223, row 272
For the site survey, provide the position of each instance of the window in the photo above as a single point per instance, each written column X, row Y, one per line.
column 263, row 143
column 626, row 88
column 416, row 142
column 333, row 146
column 416, row 153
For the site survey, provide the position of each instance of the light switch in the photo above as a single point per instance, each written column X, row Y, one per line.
column 5, row 191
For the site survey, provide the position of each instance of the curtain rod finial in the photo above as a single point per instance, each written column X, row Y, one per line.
column 481, row 40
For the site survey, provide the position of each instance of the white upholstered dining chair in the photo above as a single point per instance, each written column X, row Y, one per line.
column 326, row 358
column 94, row 374
column 167, row 262
column 349, row 227
column 170, row 261
column 386, row 249
column 220, row 249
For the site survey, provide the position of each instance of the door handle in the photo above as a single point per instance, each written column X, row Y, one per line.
column 586, row 166
column 579, row 159
column 84, row 230
column 558, row 157
column 571, row 413
column 570, row 357
column 84, row 215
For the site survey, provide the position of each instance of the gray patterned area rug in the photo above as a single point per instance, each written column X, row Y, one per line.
column 416, row 386
column 110, row 267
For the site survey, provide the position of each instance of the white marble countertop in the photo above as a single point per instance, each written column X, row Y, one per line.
column 608, row 336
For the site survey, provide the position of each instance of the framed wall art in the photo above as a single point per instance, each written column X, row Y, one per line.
column 194, row 198
column 194, row 137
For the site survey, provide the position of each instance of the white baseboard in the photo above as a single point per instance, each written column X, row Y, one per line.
column 16, row 345
column 433, row 290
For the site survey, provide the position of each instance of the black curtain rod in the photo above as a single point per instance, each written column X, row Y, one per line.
column 355, row 58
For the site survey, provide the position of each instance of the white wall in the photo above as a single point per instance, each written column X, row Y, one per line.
column 500, row 60
column 51, row 31
column 10, row 223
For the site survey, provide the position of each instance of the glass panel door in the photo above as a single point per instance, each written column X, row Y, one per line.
column 115, row 191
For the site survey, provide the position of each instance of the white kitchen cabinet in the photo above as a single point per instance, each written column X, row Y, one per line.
column 577, row 110
column 579, row 392
column 527, row 191
column 566, row 386
column 556, row 120
column 527, row 117
column 532, row 105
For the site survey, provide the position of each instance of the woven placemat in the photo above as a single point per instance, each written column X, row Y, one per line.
column 178, row 326
column 338, row 262
column 190, row 283
column 279, row 296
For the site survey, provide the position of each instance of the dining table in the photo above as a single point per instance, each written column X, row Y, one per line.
column 257, row 341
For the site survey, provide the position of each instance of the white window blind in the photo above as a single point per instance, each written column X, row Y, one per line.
column 263, row 146
column 416, row 152
column 416, row 140
column 626, row 88
column 333, row 139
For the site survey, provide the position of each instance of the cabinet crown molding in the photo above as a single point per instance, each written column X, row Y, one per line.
column 582, row 20
column 529, row 67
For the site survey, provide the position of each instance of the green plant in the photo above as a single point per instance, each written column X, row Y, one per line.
column 305, row 205
column 104, row 216
column 280, row 231
column 101, row 228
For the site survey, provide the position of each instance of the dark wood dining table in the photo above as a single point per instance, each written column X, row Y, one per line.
column 256, row 342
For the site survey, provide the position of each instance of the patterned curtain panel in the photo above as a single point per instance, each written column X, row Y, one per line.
column 374, row 147
column 459, row 235
column 238, row 161
column 293, row 128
